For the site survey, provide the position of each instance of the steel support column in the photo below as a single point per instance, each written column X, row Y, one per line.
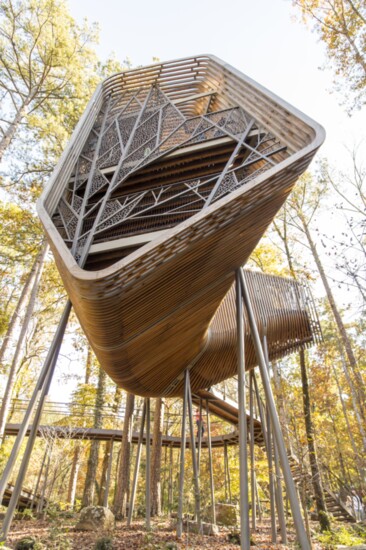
column 170, row 485
column 43, row 384
column 199, row 428
column 290, row 485
column 243, row 455
column 196, row 481
column 182, row 459
column 48, row 366
column 277, row 478
column 148, row 466
column 212, row 486
column 252, row 463
column 137, row 466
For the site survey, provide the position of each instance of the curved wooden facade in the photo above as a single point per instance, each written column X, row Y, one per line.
column 168, row 183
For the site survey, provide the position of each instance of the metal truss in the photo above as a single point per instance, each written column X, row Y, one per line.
column 135, row 130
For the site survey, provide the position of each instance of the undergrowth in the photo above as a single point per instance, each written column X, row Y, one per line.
column 351, row 535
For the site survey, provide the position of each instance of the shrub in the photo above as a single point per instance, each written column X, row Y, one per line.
column 105, row 543
column 28, row 543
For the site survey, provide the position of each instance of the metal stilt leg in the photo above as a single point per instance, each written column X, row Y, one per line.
column 48, row 366
column 182, row 459
column 194, row 456
column 290, row 485
column 170, row 494
column 212, row 486
column 243, row 455
column 279, row 497
column 56, row 345
column 137, row 466
column 272, row 490
column 199, row 428
column 252, row 464
column 277, row 481
column 225, row 472
column 148, row 466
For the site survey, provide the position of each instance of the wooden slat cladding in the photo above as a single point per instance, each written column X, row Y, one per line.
column 162, row 307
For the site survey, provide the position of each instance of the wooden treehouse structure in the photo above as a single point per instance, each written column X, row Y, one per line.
column 170, row 180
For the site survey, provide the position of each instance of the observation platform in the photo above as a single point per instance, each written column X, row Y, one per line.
column 171, row 178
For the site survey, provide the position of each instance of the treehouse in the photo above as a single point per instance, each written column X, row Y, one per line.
column 169, row 181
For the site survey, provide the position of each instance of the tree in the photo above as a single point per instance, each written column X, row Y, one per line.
column 92, row 467
column 315, row 470
column 35, row 276
column 43, row 56
column 302, row 207
column 349, row 248
column 120, row 497
column 341, row 26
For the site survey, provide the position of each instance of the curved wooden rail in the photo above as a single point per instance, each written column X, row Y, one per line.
column 60, row 432
column 151, row 295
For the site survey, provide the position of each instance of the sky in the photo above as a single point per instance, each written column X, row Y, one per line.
column 264, row 39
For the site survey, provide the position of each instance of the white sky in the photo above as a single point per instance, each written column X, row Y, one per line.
column 261, row 38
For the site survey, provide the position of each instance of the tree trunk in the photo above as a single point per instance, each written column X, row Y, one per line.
column 120, row 497
column 156, row 457
column 279, row 395
column 88, row 365
column 315, row 473
column 91, row 473
column 361, row 396
column 71, row 494
column 12, row 128
column 15, row 318
column 108, row 448
column 5, row 406
column 358, row 455
column 354, row 400
column 103, row 477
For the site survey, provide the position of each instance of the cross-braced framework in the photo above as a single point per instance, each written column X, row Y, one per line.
column 105, row 198
column 169, row 182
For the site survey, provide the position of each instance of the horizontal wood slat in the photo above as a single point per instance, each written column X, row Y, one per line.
column 168, row 305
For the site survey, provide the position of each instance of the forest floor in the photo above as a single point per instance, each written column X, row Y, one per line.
column 60, row 534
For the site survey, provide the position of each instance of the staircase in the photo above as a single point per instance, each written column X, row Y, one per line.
column 26, row 498
column 227, row 409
